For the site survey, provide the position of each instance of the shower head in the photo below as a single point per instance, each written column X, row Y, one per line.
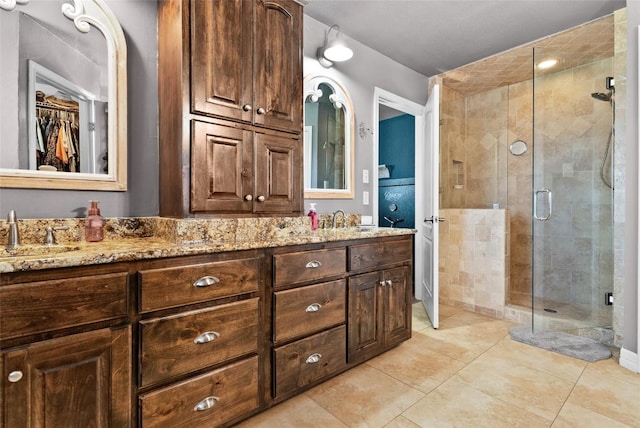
column 602, row 96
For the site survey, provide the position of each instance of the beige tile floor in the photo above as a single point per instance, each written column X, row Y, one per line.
column 468, row 373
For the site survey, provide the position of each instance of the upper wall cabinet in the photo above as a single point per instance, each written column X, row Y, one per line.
column 230, row 91
column 246, row 73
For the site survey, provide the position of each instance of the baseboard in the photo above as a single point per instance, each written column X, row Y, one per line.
column 629, row 360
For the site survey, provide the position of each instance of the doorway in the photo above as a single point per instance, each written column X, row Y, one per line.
column 386, row 106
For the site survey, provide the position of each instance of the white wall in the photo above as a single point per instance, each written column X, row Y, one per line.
column 360, row 75
column 631, row 183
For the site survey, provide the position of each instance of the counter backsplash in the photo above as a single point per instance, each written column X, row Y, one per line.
column 179, row 231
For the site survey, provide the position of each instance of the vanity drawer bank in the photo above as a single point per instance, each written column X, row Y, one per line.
column 146, row 332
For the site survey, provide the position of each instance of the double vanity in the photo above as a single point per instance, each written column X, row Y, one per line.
column 173, row 322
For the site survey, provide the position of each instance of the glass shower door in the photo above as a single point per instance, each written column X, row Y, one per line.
column 572, row 253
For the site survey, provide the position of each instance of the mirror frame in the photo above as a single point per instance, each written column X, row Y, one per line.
column 341, row 96
column 85, row 14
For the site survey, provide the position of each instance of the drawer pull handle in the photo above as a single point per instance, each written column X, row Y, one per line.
column 313, row 264
column 206, row 404
column 206, row 281
column 313, row 358
column 206, row 337
column 15, row 376
column 314, row 307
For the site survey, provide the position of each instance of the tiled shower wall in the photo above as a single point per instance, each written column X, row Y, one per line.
column 474, row 259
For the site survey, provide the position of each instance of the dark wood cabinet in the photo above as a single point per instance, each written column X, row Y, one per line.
column 80, row 380
column 235, row 170
column 230, row 91
column 379, row 313
column 379, row 300
column 246, row 61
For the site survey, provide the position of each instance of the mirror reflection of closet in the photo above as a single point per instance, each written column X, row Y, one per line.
column 64, row 60
column 328, row 139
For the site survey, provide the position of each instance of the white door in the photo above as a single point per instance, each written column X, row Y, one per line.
column 429, row 227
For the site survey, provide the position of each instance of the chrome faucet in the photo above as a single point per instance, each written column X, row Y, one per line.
column 14, row 234
column 344, row 218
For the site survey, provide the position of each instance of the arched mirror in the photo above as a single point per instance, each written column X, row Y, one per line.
column 328, row 139
column 63, row 88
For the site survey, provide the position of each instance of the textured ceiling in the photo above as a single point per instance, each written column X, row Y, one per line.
column 433, row 36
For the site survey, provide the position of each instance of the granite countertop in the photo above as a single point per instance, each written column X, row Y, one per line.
column 170, row 238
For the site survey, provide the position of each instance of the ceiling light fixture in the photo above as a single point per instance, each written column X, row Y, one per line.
column 547, row 64
column 333, row 51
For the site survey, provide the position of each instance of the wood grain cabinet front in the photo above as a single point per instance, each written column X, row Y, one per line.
column 80, row 380
column 307, row 360
column 305, row 310
column 52, row 304
column 178, row 344
column 212, row 399
column 182, row 285
column 303, row 266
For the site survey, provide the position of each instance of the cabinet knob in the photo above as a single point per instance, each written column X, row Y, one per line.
column 15, row 376
column 206, row 281
column 206, row 404
column 261, row 198
column 382, row 283
column 313, row 264
column 389, row 282
column 247, row 107
column 248, row 197
column 206, row 337
column 313, row 358
column 314, row 307
column 261, row 111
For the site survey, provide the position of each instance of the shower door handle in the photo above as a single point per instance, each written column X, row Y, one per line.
column 535, row 204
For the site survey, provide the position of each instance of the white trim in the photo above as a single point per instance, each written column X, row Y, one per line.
column 629, row 360
column 628, row 355
column 382, row 97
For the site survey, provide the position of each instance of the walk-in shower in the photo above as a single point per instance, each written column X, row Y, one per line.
column 560, row 258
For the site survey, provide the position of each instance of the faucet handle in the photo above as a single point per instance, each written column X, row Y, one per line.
column 49, row 237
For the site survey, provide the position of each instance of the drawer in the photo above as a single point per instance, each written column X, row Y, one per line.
column 178, row 344
column 303, row 266
column 176, row 286
column 308, row 309
column 376, row 254
column 209, row 400
column 305, row 361
column 37, row 307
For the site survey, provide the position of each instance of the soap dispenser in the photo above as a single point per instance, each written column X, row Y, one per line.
column 314, row 216
column 94, row 224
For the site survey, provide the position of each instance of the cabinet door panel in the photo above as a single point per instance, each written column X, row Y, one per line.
column 278, row 67
column 278, row 174
column 221, row 58
column 397, row 315
column 81, row 380
column 365, row 336
column 221, row 168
